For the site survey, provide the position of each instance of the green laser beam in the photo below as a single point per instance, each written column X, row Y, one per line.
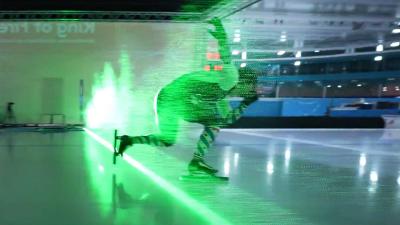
column 171, row 189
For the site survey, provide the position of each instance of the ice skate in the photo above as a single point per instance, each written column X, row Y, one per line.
column 199, row 170
column 125, row 142
column 198, row 166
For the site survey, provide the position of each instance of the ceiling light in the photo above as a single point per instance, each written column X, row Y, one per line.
column 373, row 176
column 316, row 51
column 328, row 86
column 297, row 63
column 395, row 44
column 243, row 65
column 298, row 54
column 379, row 48
column 396, row 31
column 236, row 39
column 281, row 52
column 378, row 58
column 244, row 55
column 237, row 35
column 359, row 85
column 235, row 52
column 339, row 86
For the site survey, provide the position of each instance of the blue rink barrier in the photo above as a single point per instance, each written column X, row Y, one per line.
column 262, row 108
column 363, row 113
column 317, row 107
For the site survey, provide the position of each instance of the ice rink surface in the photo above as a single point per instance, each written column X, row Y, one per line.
column 321, row 177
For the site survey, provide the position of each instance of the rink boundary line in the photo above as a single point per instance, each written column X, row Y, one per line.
column 180, row 195
column 310, row 129
column 246, row 132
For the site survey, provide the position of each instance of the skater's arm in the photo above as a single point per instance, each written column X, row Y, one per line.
column 229, row 75
column 246, row 88
column 221, row 36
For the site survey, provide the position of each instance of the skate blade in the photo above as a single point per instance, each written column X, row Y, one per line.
column 203, row 177
column 116, row 152
column 115, row 147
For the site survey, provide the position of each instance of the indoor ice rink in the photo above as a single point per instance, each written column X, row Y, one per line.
column 317, row 143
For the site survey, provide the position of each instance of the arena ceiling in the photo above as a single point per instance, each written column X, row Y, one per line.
column 317, row 28
column 110, row 5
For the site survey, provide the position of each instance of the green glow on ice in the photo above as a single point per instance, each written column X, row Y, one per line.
column 181, row 196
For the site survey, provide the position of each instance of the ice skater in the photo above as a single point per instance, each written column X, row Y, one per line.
column 200, row 97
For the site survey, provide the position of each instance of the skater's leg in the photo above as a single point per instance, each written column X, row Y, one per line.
column 168, row 124
column 211, row 129
column 197, row 164
column 205, row 141
column 210, row 132
column 227, row 116
column 235, row 114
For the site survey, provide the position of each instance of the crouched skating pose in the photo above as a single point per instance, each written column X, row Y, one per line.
column 200, row 97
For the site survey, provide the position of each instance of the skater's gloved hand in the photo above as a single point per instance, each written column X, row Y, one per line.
column 216, row 22
column 219, row 32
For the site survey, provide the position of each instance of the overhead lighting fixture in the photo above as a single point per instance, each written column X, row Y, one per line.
column 339, row 86
column 244, row 55
column 235, row 52
column 316, row 51
column 236, row 39
column 396, row 31
column 395, row 44
column 378, row 58
column 363, row 160
column 359, row 85
column 384, row 88
column 298, row 54
column 283, row 39
column 297, row 63
column 281, row 52
column 283, row 35
column 270, row 168
column 397, row 88
column 243, row 65
column 328, row 86
column 373, row 176
column 287, row 153
column 237, row 35
column 379, row 48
